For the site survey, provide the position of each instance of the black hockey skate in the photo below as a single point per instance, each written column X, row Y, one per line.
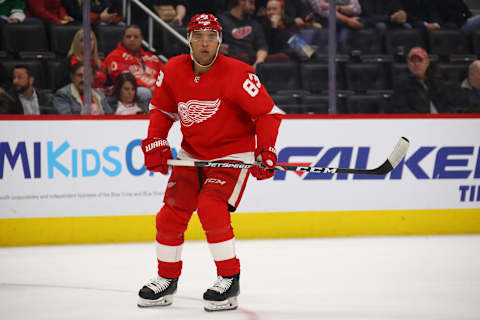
column 223, row 294
column 157, row 292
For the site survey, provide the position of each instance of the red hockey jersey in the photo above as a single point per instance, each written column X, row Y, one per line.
column 220, row 111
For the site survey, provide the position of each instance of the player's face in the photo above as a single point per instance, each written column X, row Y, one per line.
column 204, row 46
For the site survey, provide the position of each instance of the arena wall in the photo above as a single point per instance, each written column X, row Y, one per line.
column 82, row 180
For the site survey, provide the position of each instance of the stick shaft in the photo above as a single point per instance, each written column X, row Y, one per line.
column 392, row 161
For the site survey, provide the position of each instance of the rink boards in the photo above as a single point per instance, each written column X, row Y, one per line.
column 82, row 180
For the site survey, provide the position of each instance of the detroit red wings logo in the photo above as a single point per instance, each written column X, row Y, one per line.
column 194, row 111
column 242, row 32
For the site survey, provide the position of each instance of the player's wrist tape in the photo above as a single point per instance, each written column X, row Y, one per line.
column 156, row 143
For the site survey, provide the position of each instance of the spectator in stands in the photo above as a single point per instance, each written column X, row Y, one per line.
column 204, row 6
column 456, row 14
column 277, row 32
column 103, row 12
column 11, row 11
column 470, row 89
column 347, row 17
column 130, row 57
column 173, row 11
column 24, row 98
column 384, row 14
column 422, row 14
column 75, row 54
column 346, row 14
column 243, row 37
column 422, row 92
column 124, row 98
column 50, row 11
column 296, row 11
column 70, row 98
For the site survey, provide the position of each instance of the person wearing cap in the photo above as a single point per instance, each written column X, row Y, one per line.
column 225, row 114
column 422, row 92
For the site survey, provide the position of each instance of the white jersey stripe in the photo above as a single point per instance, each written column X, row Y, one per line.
column 276, row 110
column 223, row 250
column 168, row 253
column 238, row 188
column 174, row 116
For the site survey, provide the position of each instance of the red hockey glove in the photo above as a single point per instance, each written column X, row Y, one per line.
column 268, row 158
column 157, row 152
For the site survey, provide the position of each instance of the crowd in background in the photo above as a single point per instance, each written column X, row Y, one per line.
column 255, row 32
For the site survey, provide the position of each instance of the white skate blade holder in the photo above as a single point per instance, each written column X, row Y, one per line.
column 160, row 302
column 229, row 304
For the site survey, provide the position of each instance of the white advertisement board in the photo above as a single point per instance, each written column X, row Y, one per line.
column 55, row 168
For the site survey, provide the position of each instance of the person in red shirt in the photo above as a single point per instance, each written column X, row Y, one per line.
column 51, row 11
column 225, row 114
column 130, row 57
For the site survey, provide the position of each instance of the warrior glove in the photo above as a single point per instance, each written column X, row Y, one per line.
column 157, row 152
column 268, row 158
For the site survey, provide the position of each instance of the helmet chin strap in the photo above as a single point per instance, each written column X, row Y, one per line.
column 195, row 60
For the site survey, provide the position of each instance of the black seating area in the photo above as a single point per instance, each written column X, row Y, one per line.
column 368, row 69
column 108, row 37
column 61, row 37
column 44, row 47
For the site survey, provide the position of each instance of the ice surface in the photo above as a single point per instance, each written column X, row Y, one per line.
column 389, row 278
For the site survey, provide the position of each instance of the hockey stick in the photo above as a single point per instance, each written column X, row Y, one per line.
column 392, row 161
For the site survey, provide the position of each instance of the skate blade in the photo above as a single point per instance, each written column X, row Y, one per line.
column 161, row 302
column 229, row 304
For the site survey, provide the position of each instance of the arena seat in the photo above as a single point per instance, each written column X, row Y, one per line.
column 400, row 73
column 366, row 76
column 18, row 38
column 51, row 73
column 365, row 41
column 315, row 77
column 61, row 37
column 108, row 37
column 369, row 103
column 452, row 73
column 36, row 66
column 476, row 43
column 287, row 102
column 402, row 40
column 445, row 42
column 170, row 45
column 279, row 76
column 317, row 104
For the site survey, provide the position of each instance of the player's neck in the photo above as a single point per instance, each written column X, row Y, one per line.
column 198, row 69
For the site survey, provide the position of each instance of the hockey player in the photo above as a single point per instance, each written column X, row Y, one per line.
column 225, row 114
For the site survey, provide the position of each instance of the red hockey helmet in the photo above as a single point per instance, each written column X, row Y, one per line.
column 204, row 21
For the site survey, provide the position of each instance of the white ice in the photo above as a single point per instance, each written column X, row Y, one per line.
column 388, row 278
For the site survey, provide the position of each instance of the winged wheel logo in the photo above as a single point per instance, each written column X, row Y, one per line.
column 195, row 111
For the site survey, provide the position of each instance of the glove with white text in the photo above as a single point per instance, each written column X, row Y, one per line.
column 268, row 158
column 157, row 152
